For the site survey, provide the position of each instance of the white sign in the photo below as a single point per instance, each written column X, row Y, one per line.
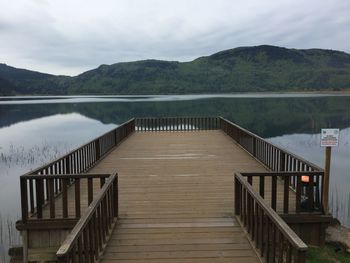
column 329, row 137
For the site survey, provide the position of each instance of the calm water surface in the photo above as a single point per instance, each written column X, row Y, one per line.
column 34, row 130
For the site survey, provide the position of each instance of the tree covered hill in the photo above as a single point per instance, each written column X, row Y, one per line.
column 243, row 69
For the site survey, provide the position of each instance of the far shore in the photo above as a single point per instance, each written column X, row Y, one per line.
column 322, row 92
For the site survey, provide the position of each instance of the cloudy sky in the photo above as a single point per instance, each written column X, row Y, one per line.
column 71, row 36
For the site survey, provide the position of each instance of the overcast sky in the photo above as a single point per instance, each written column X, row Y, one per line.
column 71, row 36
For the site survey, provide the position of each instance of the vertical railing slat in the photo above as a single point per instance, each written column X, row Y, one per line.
column 77, row 197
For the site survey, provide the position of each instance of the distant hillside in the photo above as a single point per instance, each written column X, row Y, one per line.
column 243, row 69
column 22, row 81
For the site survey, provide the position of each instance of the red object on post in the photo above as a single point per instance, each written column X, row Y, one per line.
column 305, row 179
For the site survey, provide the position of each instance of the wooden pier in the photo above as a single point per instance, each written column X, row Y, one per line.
column 173, row 190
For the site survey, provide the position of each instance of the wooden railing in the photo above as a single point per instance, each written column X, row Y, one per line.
column 308, row 189
column 277, row 160
column 53, row 179
column 177, row 124
column 272, row 156
column 88, row 238
column 82, row 159
column 275, row 240
column 38, row 191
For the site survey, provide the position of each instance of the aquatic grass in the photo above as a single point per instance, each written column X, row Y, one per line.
column 15, row 160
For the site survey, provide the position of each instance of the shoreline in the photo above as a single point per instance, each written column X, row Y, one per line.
column 233, row 94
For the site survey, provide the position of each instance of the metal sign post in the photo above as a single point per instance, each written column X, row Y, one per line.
column 329, row 139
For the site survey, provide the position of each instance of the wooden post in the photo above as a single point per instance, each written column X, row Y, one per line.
column 24, row 234
column 327, row 166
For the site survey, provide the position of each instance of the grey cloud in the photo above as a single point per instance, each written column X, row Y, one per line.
column 69, row 37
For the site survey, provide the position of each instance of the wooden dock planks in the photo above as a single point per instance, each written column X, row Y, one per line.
column 176, row 198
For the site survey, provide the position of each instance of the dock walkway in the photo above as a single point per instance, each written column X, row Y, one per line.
column 172, row 190
column 176, row 198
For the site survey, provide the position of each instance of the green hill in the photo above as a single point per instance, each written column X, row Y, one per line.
column 243, row 69
column 14, row 81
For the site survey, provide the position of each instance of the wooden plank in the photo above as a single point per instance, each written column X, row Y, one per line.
column 186, row 201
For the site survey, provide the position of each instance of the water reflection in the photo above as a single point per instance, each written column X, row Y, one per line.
column 265, row 116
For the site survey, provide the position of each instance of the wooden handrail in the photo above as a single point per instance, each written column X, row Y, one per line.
column 283, row 164
column 120, row 132
column 274, row 157
column 282, row 174
column 64, row 176
column 89, row 236
column 176, row 124
column 40, row 186
column 38, row 191
column 274, row 239
column 311, row 190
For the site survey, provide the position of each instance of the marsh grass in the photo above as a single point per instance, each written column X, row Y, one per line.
column 14, row 161
column 327, row 254
column 29, row 157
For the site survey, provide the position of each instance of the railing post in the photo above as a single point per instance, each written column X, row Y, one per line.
column 298, row 194
column 274, row 192
column 301, row 256
column 237, row 197
column 90, row 190
column 77, row 197
column 115, row 197
column 97, row 149
column 65, row 198
column 31, row 196
column 39, row 197
column 282, row 161
column 286, row 194
column 51, row 194
column 24, row 199
column 254, row 146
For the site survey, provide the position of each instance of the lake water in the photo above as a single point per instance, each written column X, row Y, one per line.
column 34, row 130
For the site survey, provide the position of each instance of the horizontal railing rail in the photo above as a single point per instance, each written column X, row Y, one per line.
column 39, row 191
column 307, row 186
column 275, row 240
column 88, row 238
column 272, row 156
column 176, row 124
